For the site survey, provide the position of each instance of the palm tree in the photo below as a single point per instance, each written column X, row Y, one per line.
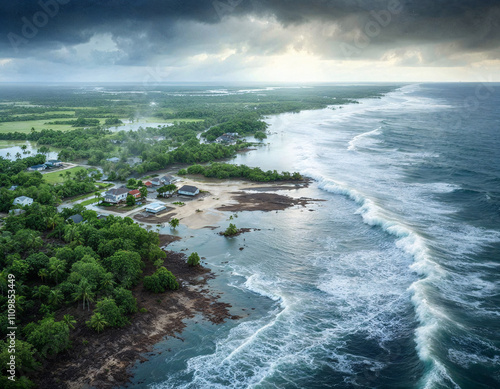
column 18, row 155
column 53, row 221
column 70, row 233
column 37, row 293
column 43, row 273
column 174, row 222
column 7, row 155
column 84, row 292
column 107, row 281
column 97, row 322
column 56, row 297
column 70, row 321
column 57, row 268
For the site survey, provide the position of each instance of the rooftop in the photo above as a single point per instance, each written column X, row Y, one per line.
column 188, row 188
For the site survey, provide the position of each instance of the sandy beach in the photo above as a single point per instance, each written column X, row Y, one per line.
column 207, row 209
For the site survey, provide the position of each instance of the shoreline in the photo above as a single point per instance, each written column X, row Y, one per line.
column 219, row 196
column 104, row 360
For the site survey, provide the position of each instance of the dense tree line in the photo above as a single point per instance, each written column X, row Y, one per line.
column 57, row 264
column 226, row 170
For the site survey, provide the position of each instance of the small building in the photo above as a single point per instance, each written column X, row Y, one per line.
column 155, row 207
column 113, row 159
column 16, row 212
column 53, row 163
column 149, row 184
column 167, row 180
column 102, row 216
column 37, row 168
column 23, row 201
column 75, row 219
column 136, row 193
column 188, row 190
column 114, row 196
column 156, row 181
column 13, row 187
column 226, row 138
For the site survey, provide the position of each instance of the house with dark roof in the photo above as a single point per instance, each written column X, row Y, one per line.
column 188, row 190
column 37, row 168
column 226, row 138
column 156, row 181
column 75, row 219
column 115, row 196
column 167, row 180
column 53, row 163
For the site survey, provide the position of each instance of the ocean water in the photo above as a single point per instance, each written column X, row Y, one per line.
column 391, row 282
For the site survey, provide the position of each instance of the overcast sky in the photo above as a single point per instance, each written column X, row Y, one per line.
column 249, row 40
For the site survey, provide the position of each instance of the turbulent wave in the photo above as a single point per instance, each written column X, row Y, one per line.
column 353, row 143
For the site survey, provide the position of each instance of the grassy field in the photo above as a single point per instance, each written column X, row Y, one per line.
column 38, row 125
column 89, row 201
column 54, row 178
column 25, row 126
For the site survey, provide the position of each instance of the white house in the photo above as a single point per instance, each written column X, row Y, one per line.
column 188, row 190
column 155, row 207
column 23, row 200
column 114, row 196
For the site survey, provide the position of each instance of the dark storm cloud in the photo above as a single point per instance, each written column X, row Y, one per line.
column 141, row 28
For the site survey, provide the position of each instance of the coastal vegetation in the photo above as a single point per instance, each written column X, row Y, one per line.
column 231, row 230
column 185, row 114
column 193, row 259
column 226, row 170
column 81, row 275
column 59, row 265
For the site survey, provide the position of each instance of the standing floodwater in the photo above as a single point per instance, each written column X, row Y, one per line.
column 392, row 282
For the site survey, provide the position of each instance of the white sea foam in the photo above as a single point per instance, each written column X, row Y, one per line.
column 353, row 143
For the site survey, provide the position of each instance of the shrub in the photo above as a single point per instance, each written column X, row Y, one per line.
column 231, row 230
column 193, row 259
column 161, row 281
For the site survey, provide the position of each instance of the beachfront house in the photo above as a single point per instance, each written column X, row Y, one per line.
column 115, row 196
column 156, row 181
column 188, row 190
column 23, row 201
column 155, row 207
column 37, row 168
column 148, row 184
column 53, row 163
column 136, row 193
